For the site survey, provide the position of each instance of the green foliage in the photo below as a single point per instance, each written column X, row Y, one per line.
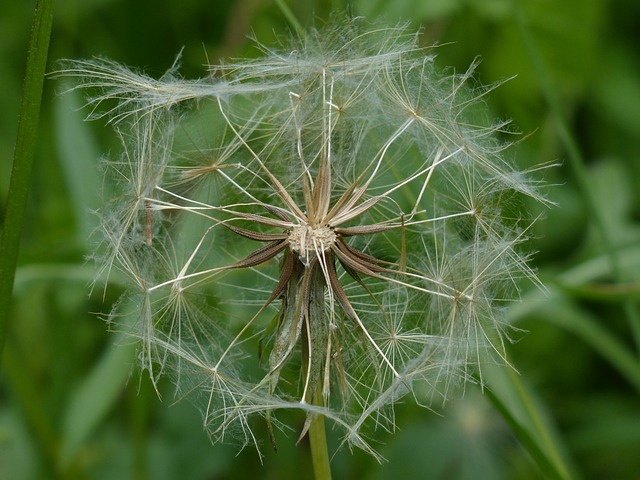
column 23, row 156
column 576, row 360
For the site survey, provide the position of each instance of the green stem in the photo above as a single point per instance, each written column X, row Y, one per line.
column 318, row 443
column 317, row 341
column 23, row 157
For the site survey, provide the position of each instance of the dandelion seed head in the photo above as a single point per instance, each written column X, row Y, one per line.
column 332, row 217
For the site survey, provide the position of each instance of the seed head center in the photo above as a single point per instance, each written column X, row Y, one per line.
column 308, row 241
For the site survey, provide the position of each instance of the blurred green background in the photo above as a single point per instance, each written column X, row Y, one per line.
column 71, row 406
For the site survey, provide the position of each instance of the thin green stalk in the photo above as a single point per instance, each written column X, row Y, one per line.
column 317, row 336
column 577, row 163
column 23, row 157
column 318, row 443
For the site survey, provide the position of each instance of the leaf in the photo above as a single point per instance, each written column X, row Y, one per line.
column 23, row 156
column 78, row 154
column 528, row 419
column 96, row 396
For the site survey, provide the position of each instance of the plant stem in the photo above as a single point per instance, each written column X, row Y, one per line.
column 318, row 443
column 318, row 337
column 23, row 157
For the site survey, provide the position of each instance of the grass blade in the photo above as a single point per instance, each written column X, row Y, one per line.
column 518, row 407
column 23, row 156
column 95, row 398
